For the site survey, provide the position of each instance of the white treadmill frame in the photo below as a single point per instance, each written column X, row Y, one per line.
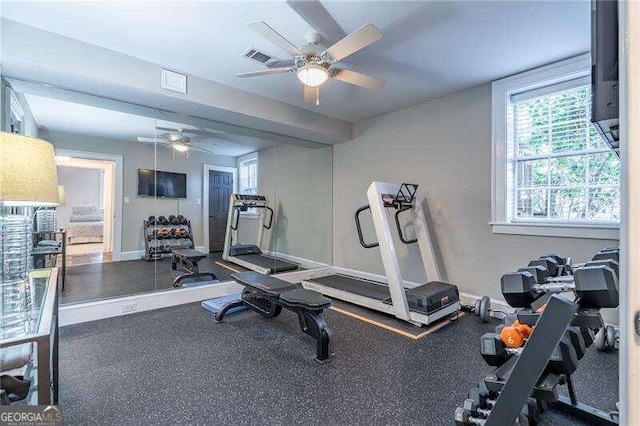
column 399, row 306
column 232, row 235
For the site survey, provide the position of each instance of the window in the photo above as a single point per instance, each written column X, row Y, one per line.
column 248, row 176
column 553, row 174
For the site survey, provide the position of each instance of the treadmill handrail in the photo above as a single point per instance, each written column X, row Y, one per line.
column 236, row 221
column 359, row 228
column 270, row 218
column 405, row 241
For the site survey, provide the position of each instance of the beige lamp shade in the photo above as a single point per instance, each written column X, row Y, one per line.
column 62, row 196
column 28, row 175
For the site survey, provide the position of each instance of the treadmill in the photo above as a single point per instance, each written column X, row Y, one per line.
column 418, row 304
column 249, row 255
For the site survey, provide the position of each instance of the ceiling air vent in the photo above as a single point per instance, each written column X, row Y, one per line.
column 261, row 57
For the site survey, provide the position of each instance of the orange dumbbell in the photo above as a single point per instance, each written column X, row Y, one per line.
column 511, row 337
column 524, row 329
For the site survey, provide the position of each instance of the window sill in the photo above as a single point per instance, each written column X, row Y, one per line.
column 595, row 232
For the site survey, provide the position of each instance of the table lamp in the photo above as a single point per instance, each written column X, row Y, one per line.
column 28, row 178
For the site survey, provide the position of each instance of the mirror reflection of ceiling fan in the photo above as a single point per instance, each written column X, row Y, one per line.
column 176, row 139
column 314, row 65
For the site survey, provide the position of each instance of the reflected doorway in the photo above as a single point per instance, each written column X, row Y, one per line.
column 87, row 213
column 220, row 190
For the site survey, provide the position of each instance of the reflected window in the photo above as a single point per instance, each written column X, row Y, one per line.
column 248, row 172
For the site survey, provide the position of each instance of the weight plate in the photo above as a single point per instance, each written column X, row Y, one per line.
column 485, row 307
column 610, row 337
column 600, row 340
column 476, row 307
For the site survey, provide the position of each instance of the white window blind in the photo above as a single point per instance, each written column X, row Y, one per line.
column 249, row 177
column 558, row 167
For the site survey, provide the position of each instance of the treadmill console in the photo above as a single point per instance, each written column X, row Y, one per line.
column 403, row 198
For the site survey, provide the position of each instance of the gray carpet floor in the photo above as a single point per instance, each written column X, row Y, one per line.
column 115, row 279
column 176, row 365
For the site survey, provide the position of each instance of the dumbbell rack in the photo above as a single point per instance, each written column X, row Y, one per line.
column 527, row 375
column 157, row 248
column 563, row 331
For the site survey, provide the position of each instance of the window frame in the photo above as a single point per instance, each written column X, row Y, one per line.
column 502, row 90
column 254, row 156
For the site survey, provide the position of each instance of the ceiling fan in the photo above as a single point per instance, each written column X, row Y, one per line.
column 314, row 65
column 176, row 139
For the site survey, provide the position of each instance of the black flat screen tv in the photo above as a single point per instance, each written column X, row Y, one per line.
column 161, row 184
column 604, row 71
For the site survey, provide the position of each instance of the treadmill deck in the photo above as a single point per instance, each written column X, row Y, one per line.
column 358, row 286
column 276, row 265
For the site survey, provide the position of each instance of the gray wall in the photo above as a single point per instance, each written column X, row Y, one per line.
column 138, row 156
column 445, row 147
column 82, row 189
column 297, row 181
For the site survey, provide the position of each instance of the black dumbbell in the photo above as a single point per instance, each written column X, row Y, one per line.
column 577, row 340
column 564, row 359
column 181, row 220
column 606, row 338
column 151, row 220
column 596, row 285
column 172, row 220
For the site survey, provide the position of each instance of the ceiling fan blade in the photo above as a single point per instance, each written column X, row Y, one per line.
column 264, row 72
column 359, row 79
column 359, row 39
column 152, row 140
column 199, row 148
column 274, row 37
column 169, row 129
column 285, row 63
column 312, row 95
column 315, row 14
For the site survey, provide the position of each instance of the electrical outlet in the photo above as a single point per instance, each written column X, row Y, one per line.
column 129, row 307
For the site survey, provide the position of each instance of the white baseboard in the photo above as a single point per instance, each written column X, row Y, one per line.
column 131, row 255
column 91, row 311
column 138, row 254
column 305, row 263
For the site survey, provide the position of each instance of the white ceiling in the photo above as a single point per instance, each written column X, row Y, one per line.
column 429, row 49
column 98, row 122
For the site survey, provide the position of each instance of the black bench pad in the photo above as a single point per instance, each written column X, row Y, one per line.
column 304, row 298
column 189, row 254
column 264, row 283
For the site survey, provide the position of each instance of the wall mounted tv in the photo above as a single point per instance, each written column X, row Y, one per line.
column 162, row 184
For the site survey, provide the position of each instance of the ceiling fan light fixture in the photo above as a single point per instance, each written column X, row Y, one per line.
column 180, row 147
column 312, row 75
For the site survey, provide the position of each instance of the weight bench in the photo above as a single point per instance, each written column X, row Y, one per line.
column 188, row 259
column 268, row 295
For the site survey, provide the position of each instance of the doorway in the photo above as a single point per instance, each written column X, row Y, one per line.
column 219, row 183
column 87, row 212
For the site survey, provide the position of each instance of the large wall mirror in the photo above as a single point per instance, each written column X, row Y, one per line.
column 139, row 182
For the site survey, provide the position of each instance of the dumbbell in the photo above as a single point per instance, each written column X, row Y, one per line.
column 181, row 220
column 151, row 220
column 607, row 253
column 514, row 336
column 563, row 360
column 173, row 232
column 463, row 416
column 482, row 308
column 595, row 285
column 482, row 398
column 162, row 220
column 173, row 220
column 606, row 338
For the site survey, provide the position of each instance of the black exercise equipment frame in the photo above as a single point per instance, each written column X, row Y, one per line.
column 190, row 264
column 238, row 209
column 311, row 321
column 527, row 372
